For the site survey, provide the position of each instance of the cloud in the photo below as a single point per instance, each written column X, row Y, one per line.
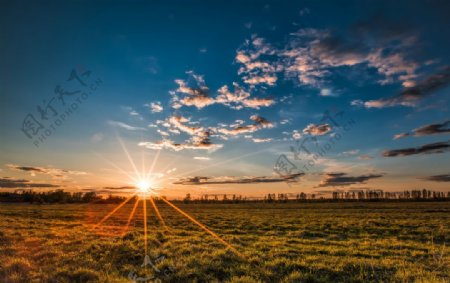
column 342, row 179
column 121, row 188
column 399, row 136
column 125, row 126
column 178, row 122
column 136, row 114
column 411, row 95
column 328, row 92
column 254, row 69
column 54, row 172
column 111, row 190
column 296, row 135
column 236, row 180
column 259, row 123
column 365, row 157
column 202, row 158
column 240, row 98
column 21, row 183
column 257, row 140
column 439, row 147
column 312, row 54
column 197, row 95
column 350, row 152
column 317, row 130
column 438, row 178
column 432, row 129
column 201, row 142
column 199, row 136
column 155, row 107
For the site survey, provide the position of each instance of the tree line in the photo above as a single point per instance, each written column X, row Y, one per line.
column 61, row 196
column 57, row 196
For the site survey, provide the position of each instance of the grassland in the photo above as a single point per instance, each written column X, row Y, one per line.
column 290, row 242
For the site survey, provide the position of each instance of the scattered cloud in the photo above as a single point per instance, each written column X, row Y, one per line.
column 179, row 123
column 317, row 130
column 196, row 95
column 202, row 158
column 136, row 114
column 259, row 123
column 342, row 179
column 21, row 183
column 257, row 140
column 155, row 107
column 54, row 172
column 236, row 180
column 438, row 178
column 199, row 96
column 432, row 129
column 120, row 188
column 125, row 126
column 254, row 69
column 328, row 92
column 240, row 98
column 350, row 152
column 411, row 95
column 200, row 142
column 439, row 147
column 296, row 135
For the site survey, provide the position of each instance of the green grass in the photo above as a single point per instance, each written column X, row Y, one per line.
column 291, row 242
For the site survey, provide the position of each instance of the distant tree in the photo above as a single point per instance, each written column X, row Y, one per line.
column 187, row 198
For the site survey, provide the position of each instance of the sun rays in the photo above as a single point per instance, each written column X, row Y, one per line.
column 146, row 183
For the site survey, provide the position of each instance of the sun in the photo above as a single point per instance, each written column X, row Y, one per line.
column 143, row 186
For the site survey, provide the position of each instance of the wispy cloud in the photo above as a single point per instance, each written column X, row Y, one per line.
column 236, row 180
column 438, row 178
column 22, row 183
column 439, row 147
column 201, row 143
column 259, row 140
column 310, row 55
column 201, row 158
column 259, row 123
column 54, row 172
column 432, row 129
column 125, row 126
column 342, row 179
column 411, row 95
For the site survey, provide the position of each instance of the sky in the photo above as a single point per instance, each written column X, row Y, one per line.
column 214, row 97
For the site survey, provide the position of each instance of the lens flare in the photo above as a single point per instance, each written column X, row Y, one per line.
column 144, row 186
column 147, row 188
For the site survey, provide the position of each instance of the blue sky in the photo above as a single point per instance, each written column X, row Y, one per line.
column 218, row 91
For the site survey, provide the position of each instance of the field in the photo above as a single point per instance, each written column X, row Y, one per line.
column 278, row 242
